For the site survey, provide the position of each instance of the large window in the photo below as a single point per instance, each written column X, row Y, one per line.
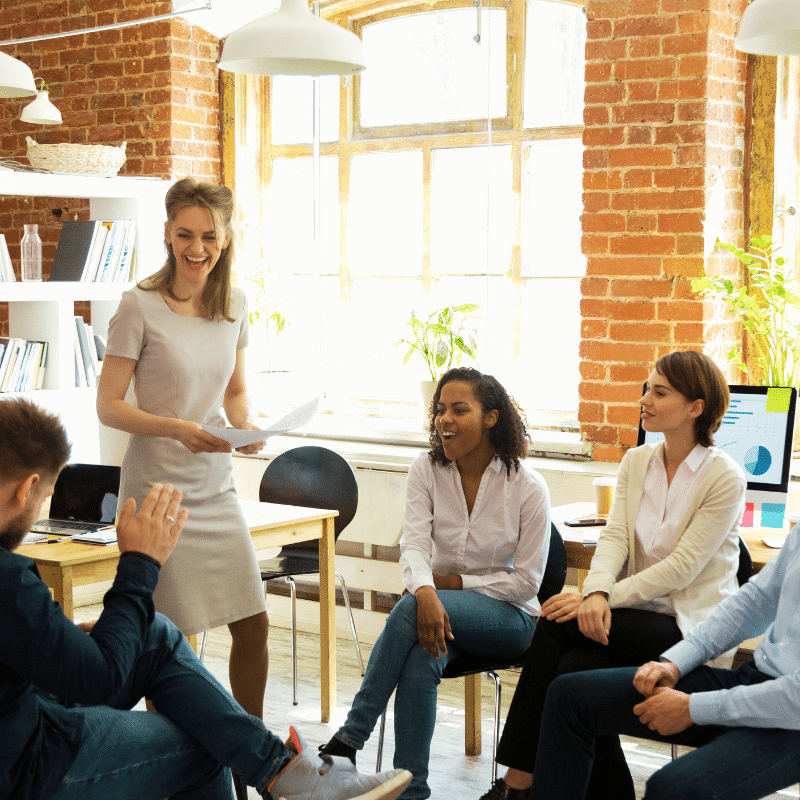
column 448, row 172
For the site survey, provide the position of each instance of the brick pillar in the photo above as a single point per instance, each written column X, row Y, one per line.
column 664, row 142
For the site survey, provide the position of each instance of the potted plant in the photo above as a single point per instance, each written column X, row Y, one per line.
column 441, row 341
column 769, row 309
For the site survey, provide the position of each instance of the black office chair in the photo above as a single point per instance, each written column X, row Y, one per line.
column 555, row 574
column 312, row 477
column 745, row 571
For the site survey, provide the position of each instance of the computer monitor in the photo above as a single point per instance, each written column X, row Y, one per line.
column 757, row 432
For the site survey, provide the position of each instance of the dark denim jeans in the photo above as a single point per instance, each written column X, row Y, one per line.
column 480, row 625
column 184, row 750
column 730, row 763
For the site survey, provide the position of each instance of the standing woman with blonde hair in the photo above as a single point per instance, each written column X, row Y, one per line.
column 180, row 335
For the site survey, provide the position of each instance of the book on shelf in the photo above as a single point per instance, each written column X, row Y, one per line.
column 17, row 379
column 126, row 252
column 80, row 372
column 42, row 364
column 93, row 350
column 90, row 273
column 93, row 250
column 86, row 361
column 9, row 359
column 107, row 270
column 74, row 248
column 22, row 364
column 6, row 268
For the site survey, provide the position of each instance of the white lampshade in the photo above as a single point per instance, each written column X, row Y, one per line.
column 292, row 41
column 16, row 78
column 770, row 28
column 41, row 111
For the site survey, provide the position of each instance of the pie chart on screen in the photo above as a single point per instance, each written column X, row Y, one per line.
column 757, row 460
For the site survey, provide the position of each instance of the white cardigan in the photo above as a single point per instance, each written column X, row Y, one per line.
column 701, row 570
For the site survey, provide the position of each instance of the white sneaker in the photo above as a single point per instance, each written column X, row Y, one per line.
column 309, row 775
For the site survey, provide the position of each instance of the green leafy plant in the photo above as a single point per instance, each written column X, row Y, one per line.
column 769, row 309
column 264, row 307
column 443, row 340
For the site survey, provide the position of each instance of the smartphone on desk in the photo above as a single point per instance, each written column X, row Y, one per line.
column 585, row 522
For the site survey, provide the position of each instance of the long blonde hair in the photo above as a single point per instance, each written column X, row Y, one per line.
column 218, row 201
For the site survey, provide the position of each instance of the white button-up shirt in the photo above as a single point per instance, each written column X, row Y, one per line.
column 499, row 550
column 661, row 510
column 768, row 603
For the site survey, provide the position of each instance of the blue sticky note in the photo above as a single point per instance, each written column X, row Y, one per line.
column 772, row 515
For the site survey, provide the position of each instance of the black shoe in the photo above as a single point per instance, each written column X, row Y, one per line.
column 502, row 791
column 337, row 748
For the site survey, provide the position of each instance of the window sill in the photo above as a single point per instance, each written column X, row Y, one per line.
column 395, row 444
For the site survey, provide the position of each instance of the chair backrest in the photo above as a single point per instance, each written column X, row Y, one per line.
column 555, row 572
column 312, row 477
column 745, row 571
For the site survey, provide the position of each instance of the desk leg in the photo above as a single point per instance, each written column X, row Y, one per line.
column 472, row 715
column 60, row 582
column 327, row 621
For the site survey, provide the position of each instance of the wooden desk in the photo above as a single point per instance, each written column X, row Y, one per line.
column 579, row 556
column 67, row 564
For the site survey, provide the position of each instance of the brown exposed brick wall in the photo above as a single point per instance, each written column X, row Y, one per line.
column 664, row 124
column 154, row 86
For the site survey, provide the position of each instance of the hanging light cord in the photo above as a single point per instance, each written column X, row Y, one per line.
column 111, row 27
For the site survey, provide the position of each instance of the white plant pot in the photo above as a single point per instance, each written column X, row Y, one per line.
column 427, row 389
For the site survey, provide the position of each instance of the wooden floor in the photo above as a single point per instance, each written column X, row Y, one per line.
column 452, row 774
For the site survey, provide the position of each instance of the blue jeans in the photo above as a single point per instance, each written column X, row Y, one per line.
column 481, row 625
column 730, row 763
column 184, row 750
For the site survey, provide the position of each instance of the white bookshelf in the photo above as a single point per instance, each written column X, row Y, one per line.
column 45, row 311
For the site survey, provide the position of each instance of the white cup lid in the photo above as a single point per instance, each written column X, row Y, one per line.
column 604, row 481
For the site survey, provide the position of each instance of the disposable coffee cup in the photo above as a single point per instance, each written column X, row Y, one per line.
column 604, row 494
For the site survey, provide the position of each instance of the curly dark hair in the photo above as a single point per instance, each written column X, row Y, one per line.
column 509, row 436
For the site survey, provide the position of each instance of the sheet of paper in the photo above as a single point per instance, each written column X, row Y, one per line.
column 103, row 536
column 572, row 511
column 294, row 419
column 591, row 536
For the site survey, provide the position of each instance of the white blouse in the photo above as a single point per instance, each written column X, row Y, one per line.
column 499, row 550
column 658, row 520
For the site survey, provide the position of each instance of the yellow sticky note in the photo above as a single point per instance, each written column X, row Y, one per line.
column 778, row 399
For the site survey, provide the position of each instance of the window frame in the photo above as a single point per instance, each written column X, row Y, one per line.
column 355, row 140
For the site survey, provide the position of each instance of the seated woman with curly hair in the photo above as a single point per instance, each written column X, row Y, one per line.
column 476, row 534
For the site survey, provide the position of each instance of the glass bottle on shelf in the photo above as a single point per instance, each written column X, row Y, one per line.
column 31, row 254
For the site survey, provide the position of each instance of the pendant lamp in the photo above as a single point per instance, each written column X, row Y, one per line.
column 41, row 111
column 770, row 28
column 292, row 41
column 16, row 78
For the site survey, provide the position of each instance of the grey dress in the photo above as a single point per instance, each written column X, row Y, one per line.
column 184, row 365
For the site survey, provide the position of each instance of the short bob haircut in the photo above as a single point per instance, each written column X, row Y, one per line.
column 218, row 201
column 509, row 436
column 697, row 377
column 32, row 440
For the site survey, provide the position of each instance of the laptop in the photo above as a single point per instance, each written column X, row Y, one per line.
column 84, row 500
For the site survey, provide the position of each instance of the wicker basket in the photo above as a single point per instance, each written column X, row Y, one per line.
column 76, row 159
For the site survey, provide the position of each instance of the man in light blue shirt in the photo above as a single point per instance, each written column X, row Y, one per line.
column 744, row 724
